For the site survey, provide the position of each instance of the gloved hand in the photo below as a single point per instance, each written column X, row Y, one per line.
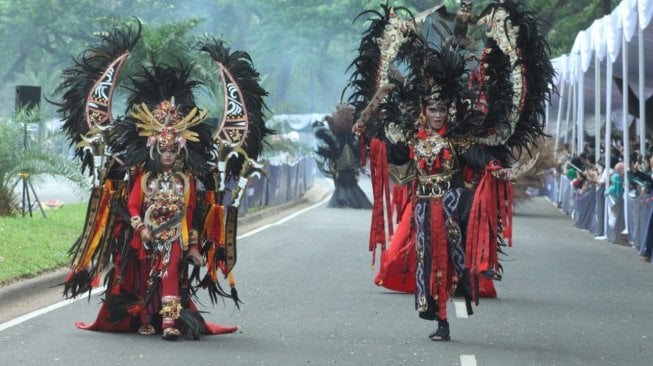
column 195, row 256
column 512, row 173
column 394, row 133
column 146, row 236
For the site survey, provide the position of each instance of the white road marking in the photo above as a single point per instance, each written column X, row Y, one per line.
column 461, row 309
column 60, row 304
column 265, row 227
column 467, row 360
column 47, row 309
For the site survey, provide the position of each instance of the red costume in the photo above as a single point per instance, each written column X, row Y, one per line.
column 459, row 129
column 167, row 185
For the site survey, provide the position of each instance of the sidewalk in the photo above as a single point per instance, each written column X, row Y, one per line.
column 27, row 295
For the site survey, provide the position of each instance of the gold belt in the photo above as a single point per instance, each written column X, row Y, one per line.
column 434, row 186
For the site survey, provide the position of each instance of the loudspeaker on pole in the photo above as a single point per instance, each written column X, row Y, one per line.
column 28, row 97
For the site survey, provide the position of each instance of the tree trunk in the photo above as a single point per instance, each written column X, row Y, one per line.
column 284, row 76
column 18, row 66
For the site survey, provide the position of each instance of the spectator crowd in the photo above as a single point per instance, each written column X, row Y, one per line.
column 597, row 196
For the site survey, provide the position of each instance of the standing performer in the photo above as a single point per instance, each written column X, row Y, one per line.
column 337, row 158
column 161, row 172
column 460, row 127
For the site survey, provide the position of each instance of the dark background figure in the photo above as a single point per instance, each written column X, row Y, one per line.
column 461, row 19
column 338, row 158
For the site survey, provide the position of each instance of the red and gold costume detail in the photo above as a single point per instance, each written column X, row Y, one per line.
column 455, row 124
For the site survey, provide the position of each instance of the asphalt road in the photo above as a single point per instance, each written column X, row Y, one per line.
column 309, row 299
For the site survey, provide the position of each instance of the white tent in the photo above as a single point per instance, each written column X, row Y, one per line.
column 617, row 45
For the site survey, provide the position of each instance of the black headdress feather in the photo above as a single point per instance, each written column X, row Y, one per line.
column 80, row 78
column 365, row 67
column 241, row 67
column 152, row 86
column 162, row 82
column 534, row 57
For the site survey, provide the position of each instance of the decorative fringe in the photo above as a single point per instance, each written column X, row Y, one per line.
column 123, row 305
column 213, row 288
column 234, row 293
column 192, row 324
column 76, row 283
column 489, row 228
column 381, row 190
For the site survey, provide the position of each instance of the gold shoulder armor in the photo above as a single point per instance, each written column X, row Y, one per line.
column 462, row 144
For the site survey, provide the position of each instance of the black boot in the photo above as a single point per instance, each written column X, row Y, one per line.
column 442, row 333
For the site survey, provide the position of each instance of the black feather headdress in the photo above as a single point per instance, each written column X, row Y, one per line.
column 95, row 71
column 366, row 78
column 334, row 137
column 134, row 140
column 532, row 56
column 251, row 107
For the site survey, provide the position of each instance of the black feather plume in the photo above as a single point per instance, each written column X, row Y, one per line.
column 79, row 79
column 241, row 67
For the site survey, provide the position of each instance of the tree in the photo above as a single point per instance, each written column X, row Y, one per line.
column 25, row 153
column 302, row 48
column 39, row 37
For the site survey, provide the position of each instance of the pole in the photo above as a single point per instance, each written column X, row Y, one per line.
column 642, row 97
column 581, row 107
column 561, row 99
column 597, row 109
column 626, row 132
column 574, row 116
column 26, row 203
column 608, row 135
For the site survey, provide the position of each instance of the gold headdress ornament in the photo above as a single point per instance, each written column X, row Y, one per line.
column 436, row 94
column 165, row 127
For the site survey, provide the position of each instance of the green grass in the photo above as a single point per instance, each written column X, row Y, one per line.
column 33, row 245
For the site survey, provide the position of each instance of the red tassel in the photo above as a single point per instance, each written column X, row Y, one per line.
column 115, row 290
column 480, row 230
column 381, row 190
column 96, row 281
column 399, row 200
column 134, row 310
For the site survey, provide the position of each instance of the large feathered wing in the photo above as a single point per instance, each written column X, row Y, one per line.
column 514, row 82
column 239, row 136
column 242, row 123
column 515, row 77
column 87, row 92
column 88, row 88
column 388, row 40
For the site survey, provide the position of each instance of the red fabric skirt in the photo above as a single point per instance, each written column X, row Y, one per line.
column 103, row 324
column 397, row 268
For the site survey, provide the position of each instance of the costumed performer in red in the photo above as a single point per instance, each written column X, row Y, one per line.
column 160, row 204
column 460, row 132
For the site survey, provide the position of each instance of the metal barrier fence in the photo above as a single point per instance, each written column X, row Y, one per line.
column 284, row 183
column 601, row 215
